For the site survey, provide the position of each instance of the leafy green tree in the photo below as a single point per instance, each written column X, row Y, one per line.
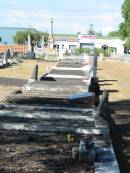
column 21, row 37
column 122, row 30
column 0, row 39
column 125, row 26
column 114, row 34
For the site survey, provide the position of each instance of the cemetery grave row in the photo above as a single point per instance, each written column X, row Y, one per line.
column 58, row 121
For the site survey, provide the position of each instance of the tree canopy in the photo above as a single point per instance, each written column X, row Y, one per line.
column 91, row 30
column 114, row 34
column 21, row 37
column 125, row 26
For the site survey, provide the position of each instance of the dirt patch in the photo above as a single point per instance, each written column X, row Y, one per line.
column 30, row 152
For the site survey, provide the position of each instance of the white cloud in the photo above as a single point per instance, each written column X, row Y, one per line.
column 106, row 6
column 107, row 29
column 109, row 17
column 70, row 20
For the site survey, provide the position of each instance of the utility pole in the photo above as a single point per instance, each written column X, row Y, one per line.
column 52, row 27
column 52, row 35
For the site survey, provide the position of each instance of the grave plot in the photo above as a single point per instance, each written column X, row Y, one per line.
column 59, row 95
column 47, row 120
column 47, row 147
column 52, row 82
column 65, row 67
column 70, row 64
column 44, row 139
column 65, row 71
column 43, row 153
column 76, row 62
column 69, row 74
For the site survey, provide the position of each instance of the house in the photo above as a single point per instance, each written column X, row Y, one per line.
column 70, row 42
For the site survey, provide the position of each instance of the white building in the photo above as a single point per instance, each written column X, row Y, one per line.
column 65, row 42
column 70, row 42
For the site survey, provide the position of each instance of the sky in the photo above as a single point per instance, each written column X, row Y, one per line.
column 70, row 16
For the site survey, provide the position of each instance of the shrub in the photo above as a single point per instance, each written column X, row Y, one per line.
column 98, row 51
column 80, row 51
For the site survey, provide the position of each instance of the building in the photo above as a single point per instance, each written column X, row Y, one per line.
column 70, row 42
column 65, row 42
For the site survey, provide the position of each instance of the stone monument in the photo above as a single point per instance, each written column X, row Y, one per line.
column 51, row 42
column 29, row 49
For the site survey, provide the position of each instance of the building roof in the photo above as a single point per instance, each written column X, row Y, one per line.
column 108, row 37
column 60, row 37
column 65, row 37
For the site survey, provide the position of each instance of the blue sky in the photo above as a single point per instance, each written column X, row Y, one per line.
column 70, row 16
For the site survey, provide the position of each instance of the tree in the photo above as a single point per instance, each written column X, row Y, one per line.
column 91, row 30
column 99, row 33
column 122, row 30
column 78, row 33
column 125, row 26
column 21, row 37
column 0, row 39
column 114, row 33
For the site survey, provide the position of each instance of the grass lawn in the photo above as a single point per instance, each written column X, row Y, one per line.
column 115, row 76
column 21, row 71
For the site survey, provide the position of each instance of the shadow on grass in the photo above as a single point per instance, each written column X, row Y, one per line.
column 107, row 80
column 12, row 81
column 106, row 84
column 119, row 123
column 113, row 91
